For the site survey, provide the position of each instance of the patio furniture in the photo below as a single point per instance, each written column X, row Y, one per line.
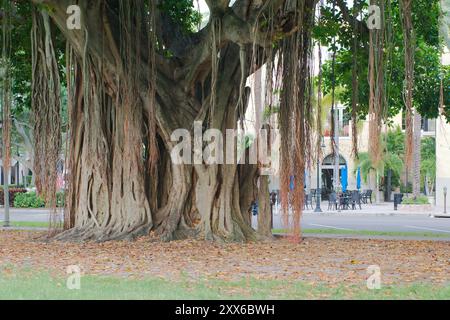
column 308, row 201
column 344, row 200
column 313, row 194
column 366, row 196
column 362, row 195
column 355, row 200
column 254, row 208
column 332, row 201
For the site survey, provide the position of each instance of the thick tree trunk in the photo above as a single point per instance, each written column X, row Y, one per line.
column 265, row 213
column 107, row 190
column 109, row 194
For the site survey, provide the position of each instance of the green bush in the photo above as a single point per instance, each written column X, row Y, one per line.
column 31, row 200
column 28, row 200
column 406, row 189
column 13, row 192
column 418, row 200
column 60, row 199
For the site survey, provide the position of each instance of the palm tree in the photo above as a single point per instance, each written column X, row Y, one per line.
column 393, row 151
column 428, row 163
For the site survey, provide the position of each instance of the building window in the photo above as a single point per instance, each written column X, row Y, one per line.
column 428, row 125
column 403, row 119
column 344, row 117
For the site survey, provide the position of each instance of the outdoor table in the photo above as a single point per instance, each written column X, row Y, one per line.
column 344, row 201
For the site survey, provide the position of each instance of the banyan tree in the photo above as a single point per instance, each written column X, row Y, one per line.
column 134, row 75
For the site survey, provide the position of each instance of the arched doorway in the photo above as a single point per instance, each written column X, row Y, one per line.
column 328, row 173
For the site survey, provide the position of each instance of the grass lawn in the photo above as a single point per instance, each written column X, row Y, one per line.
column 34, row 224
column 369, row 233
column 26, row 285
column 317, row 268
column 28, row 224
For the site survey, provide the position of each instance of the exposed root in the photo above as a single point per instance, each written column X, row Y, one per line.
column 91, row 232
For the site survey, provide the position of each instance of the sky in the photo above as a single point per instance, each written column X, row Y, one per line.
column 204, row 7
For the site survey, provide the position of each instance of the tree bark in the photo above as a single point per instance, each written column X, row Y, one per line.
column 265, row 213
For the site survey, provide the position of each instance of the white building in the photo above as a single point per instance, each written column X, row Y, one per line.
column 442, row 154
column 18, row 173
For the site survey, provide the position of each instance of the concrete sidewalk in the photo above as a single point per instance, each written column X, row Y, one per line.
column 364, row 237
column 22, row 228
column 384, row 208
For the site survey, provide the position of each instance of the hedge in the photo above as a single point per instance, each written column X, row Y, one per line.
column 31, row 200
column 13, row 192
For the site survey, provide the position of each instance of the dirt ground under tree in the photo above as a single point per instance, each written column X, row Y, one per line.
column 327, row 261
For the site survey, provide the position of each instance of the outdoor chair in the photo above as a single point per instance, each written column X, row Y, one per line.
column 362, row 195
column 332, row 201
column 313, row 194
column 344, row 201
column 356, row 200
column 308, row 201
column 367, row 196
column 254, row 208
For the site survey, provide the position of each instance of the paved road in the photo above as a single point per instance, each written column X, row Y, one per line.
column 34, row 215
column 351, row 221
column 402, row 223
column 371, row 219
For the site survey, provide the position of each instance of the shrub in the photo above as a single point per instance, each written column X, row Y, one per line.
column 418, row 200
column 406, row 189
column 60, row 199
column 32, row 200
column 13, row 193
column 28, row 200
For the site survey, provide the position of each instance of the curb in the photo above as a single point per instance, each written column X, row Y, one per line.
column 363, row 237
column 22, row 229
column 441, row 216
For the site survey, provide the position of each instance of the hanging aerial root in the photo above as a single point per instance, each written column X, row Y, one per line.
column 295, row 93
column 409, row 45
column 376, row 89
column 46, row 105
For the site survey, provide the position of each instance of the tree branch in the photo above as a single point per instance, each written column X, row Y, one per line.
column 361, row 27
column 217, row 6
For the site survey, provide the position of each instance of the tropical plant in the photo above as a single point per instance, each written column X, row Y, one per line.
column 416, row 200
column 428, row 164
column 29, row 200
column 392, row 159
column 32, row 200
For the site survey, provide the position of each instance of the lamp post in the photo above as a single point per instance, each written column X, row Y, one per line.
column 445, row 200
column 318, row 189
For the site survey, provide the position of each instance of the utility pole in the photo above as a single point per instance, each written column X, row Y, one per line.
column 336, row 149
column 5, row 98
column 5, row 152
column 319, row 185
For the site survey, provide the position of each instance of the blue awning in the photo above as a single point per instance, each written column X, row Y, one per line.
column 358, row 178
column 344, row 179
